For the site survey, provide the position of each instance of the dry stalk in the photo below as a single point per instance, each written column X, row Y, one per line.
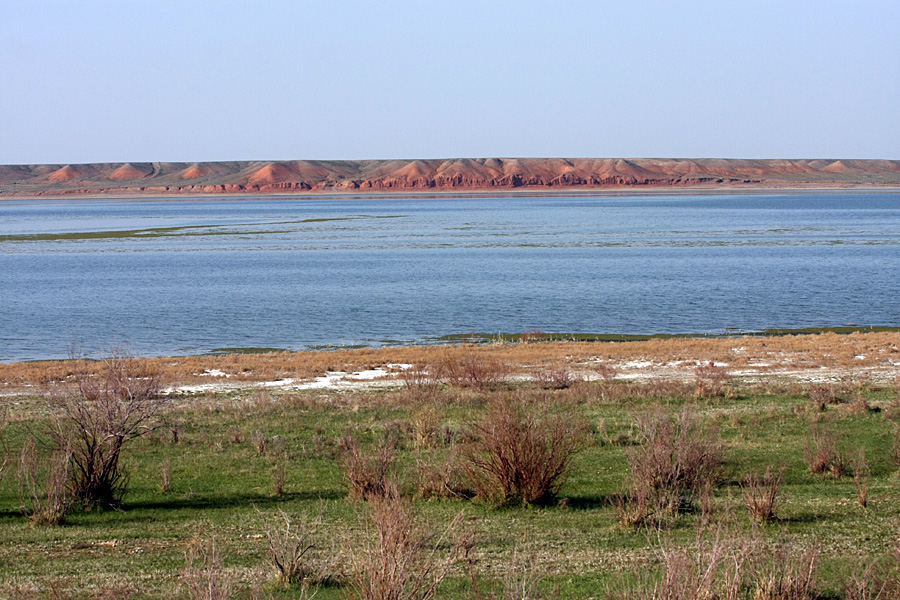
column 861, row 474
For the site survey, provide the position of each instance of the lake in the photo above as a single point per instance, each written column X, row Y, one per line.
column 189, row 276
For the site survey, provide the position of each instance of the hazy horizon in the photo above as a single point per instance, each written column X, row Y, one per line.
column 349, row 80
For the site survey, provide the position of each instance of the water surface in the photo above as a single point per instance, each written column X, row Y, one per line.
column 190, row 276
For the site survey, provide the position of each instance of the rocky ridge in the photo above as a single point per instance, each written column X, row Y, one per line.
column 432, row 175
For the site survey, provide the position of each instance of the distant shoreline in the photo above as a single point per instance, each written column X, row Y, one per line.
column 494, row 176
column 474, row 193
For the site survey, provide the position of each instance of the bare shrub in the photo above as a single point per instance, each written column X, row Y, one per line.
column 559, row 378
column 4, row 421
column 474, row 370
column 442, row 479
column 522, row 453
column 97, row 419
column 278, row 478
column 235, row 434
column 635, row 508
column 607, row 374
column 786, row 574
column 205, row 577
column 711, row 379
column 707, row 570
column 861, row 474
column 823, row 453
column 399, row 559
column 368, row 473
column 822, row 395
column 880, row 580
column 761, row 494
column 676, row 459
column 895, row 448
column 421, row 381
column 165, row 473
column 723, row 568
column 260, row 442
column 290, row 540
column 426, row 424
column 43, row 484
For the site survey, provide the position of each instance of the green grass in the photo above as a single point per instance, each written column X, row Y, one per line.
column 220, row 484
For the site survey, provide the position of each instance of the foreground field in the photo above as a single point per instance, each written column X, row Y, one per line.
column 227, row 455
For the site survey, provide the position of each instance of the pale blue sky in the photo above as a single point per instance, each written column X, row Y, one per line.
column 93, row 81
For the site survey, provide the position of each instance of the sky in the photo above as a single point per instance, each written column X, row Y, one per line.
column 117, row 81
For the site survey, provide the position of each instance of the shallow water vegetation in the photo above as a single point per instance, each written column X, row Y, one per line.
column 692, row 455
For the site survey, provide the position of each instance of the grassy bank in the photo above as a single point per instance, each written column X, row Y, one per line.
column 224, row 463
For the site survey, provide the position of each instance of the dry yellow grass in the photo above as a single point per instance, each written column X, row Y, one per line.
column 848, row 352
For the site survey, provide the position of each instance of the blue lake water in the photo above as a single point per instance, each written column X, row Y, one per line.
column 162, row 277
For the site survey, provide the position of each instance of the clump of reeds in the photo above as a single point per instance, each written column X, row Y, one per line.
column 760, row 494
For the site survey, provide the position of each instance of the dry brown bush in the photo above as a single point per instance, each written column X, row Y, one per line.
column 165, row 473
column 474, row 370
column 442, row 479
column 278, row 478
column 823, row 395
column 44, row 484
column 761, row 494
column 426, row 427
column 400, row 559
column 290, row 539
column 260, row 442
column 823, row 453
column 522, row 452
column 204, row 577
column 861, row 474
column 4, row 450
column 421, row 381
column 738, row 568
column 96, row 419
column 880, row 580
column 368, row 472
column 559, row 378
column 676, row 459
column 711, row 379
column 607, row 374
